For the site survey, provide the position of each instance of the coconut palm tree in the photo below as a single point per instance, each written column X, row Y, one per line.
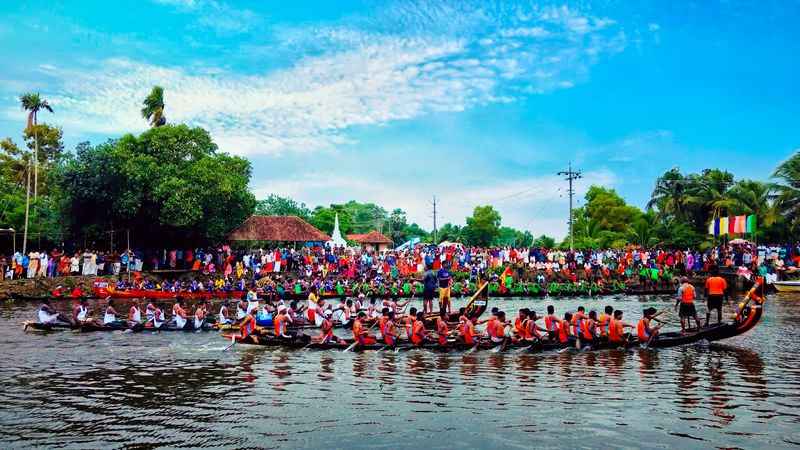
column 153, row 109
column 755, row 197
column 33, row 103
column 788, row 200
column 670, row 194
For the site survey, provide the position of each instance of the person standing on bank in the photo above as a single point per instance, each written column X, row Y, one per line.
column 429, row 282
column 716, row 289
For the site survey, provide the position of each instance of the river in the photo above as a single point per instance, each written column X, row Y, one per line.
column 144, row 390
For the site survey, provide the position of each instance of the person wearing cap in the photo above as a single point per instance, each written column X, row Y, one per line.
column 645, row 332
column 686, row 296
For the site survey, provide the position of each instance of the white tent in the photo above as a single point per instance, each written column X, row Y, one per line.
column 336, row 237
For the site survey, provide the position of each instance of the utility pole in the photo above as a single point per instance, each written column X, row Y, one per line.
column 434, row 220
column 571, row 175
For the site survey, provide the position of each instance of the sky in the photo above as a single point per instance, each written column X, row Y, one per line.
column 395, row 102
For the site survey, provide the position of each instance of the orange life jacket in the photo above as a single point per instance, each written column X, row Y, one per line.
column 563, row 332
column 642, row 330
column 468, row 333
column 687, row 294
column 615, row 330
column 587, row 329
column 441, row 330
column 418, row 333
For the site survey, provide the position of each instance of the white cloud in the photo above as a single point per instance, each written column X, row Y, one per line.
column 361, row 78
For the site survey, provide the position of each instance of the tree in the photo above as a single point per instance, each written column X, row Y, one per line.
column 324, row 218
column 788, row 200
column 669, row 195
column 275, row 205
column 397, row 226
column 169, row 184
column 544, row 241
column 33, row 103
column 483, row 226
column 153, row 107
column 449, row 232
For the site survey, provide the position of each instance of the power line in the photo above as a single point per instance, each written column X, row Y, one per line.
column 571, row 175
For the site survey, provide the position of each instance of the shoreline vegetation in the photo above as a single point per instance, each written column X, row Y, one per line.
column 171, row 186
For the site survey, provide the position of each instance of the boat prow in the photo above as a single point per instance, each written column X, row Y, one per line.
column 787, row 286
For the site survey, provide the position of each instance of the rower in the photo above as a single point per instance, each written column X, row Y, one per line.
column 179, row 314
column 361, row 335
column 110, row 316
column 495, row 328
column 47, row 315
column 522, row 316
column 199, row 316
column 382, row 322
column 588, row 331
column 532, row 330
column 577, row 320
column 604, row 320
column 135, row 314
column 643, row 330
column 252, row 300
column 281, row 323
column 326, row 330
column 409, row 321
column 551, row 322
column 565, row 336
column 616, row 329
column 389, row 330
column 223, row 318
column 441, row 328
column 418, row 333
column 686, row 296
column 80, row 314
column 158, row 318
column 241, row 309
column 466, row 331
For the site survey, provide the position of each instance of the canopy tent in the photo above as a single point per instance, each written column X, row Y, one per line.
column 277, row 229
column 336, row 237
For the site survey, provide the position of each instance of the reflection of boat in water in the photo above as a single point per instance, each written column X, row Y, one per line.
column 787, row 286
column 746, row 321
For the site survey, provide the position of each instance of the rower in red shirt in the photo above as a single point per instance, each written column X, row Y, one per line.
column 326, row 330
column 281, row 323
column 389, row 329
column 588, row 331
column 466, row 331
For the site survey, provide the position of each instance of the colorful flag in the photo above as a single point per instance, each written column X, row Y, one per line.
column 723, row 225
column 732, row 225
column 741, row 224
column 711, row 227
column 751, row 224
column 716, row 226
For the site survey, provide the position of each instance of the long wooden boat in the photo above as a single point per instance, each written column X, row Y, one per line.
column 748, row 320
column 103, row 289
column 787, row 286
column 32, row 326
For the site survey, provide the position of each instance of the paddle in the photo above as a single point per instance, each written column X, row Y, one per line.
column 233, row 342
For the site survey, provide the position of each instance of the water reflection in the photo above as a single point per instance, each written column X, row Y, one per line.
column 178, row 389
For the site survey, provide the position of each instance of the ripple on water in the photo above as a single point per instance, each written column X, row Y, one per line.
column 182, row 390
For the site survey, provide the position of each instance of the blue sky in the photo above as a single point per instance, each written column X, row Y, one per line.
column 394, row 102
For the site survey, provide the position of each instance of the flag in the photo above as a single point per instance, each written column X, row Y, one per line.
column 723, row 225
column 732, row 225
column 716, row 226
column 741, row 224
column 711, row 227
column 751, row 224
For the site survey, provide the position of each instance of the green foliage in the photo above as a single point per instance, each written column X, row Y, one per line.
column 511, row 237
column 544, row 241
column 354, row 217
column 275, row 205
column 449, row 232
column 153, row 107
column 167, row 185
column 788, row 192
column 483, row 227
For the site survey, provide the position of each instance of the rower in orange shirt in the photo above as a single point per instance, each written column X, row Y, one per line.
column 441, row 328
column 616, row 329
column 418, row 334
column 466, row 331
column 360, row 334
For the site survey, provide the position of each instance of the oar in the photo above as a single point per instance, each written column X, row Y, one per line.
column 233, row 342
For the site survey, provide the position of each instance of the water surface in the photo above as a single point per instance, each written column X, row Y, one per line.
column 146, row 390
